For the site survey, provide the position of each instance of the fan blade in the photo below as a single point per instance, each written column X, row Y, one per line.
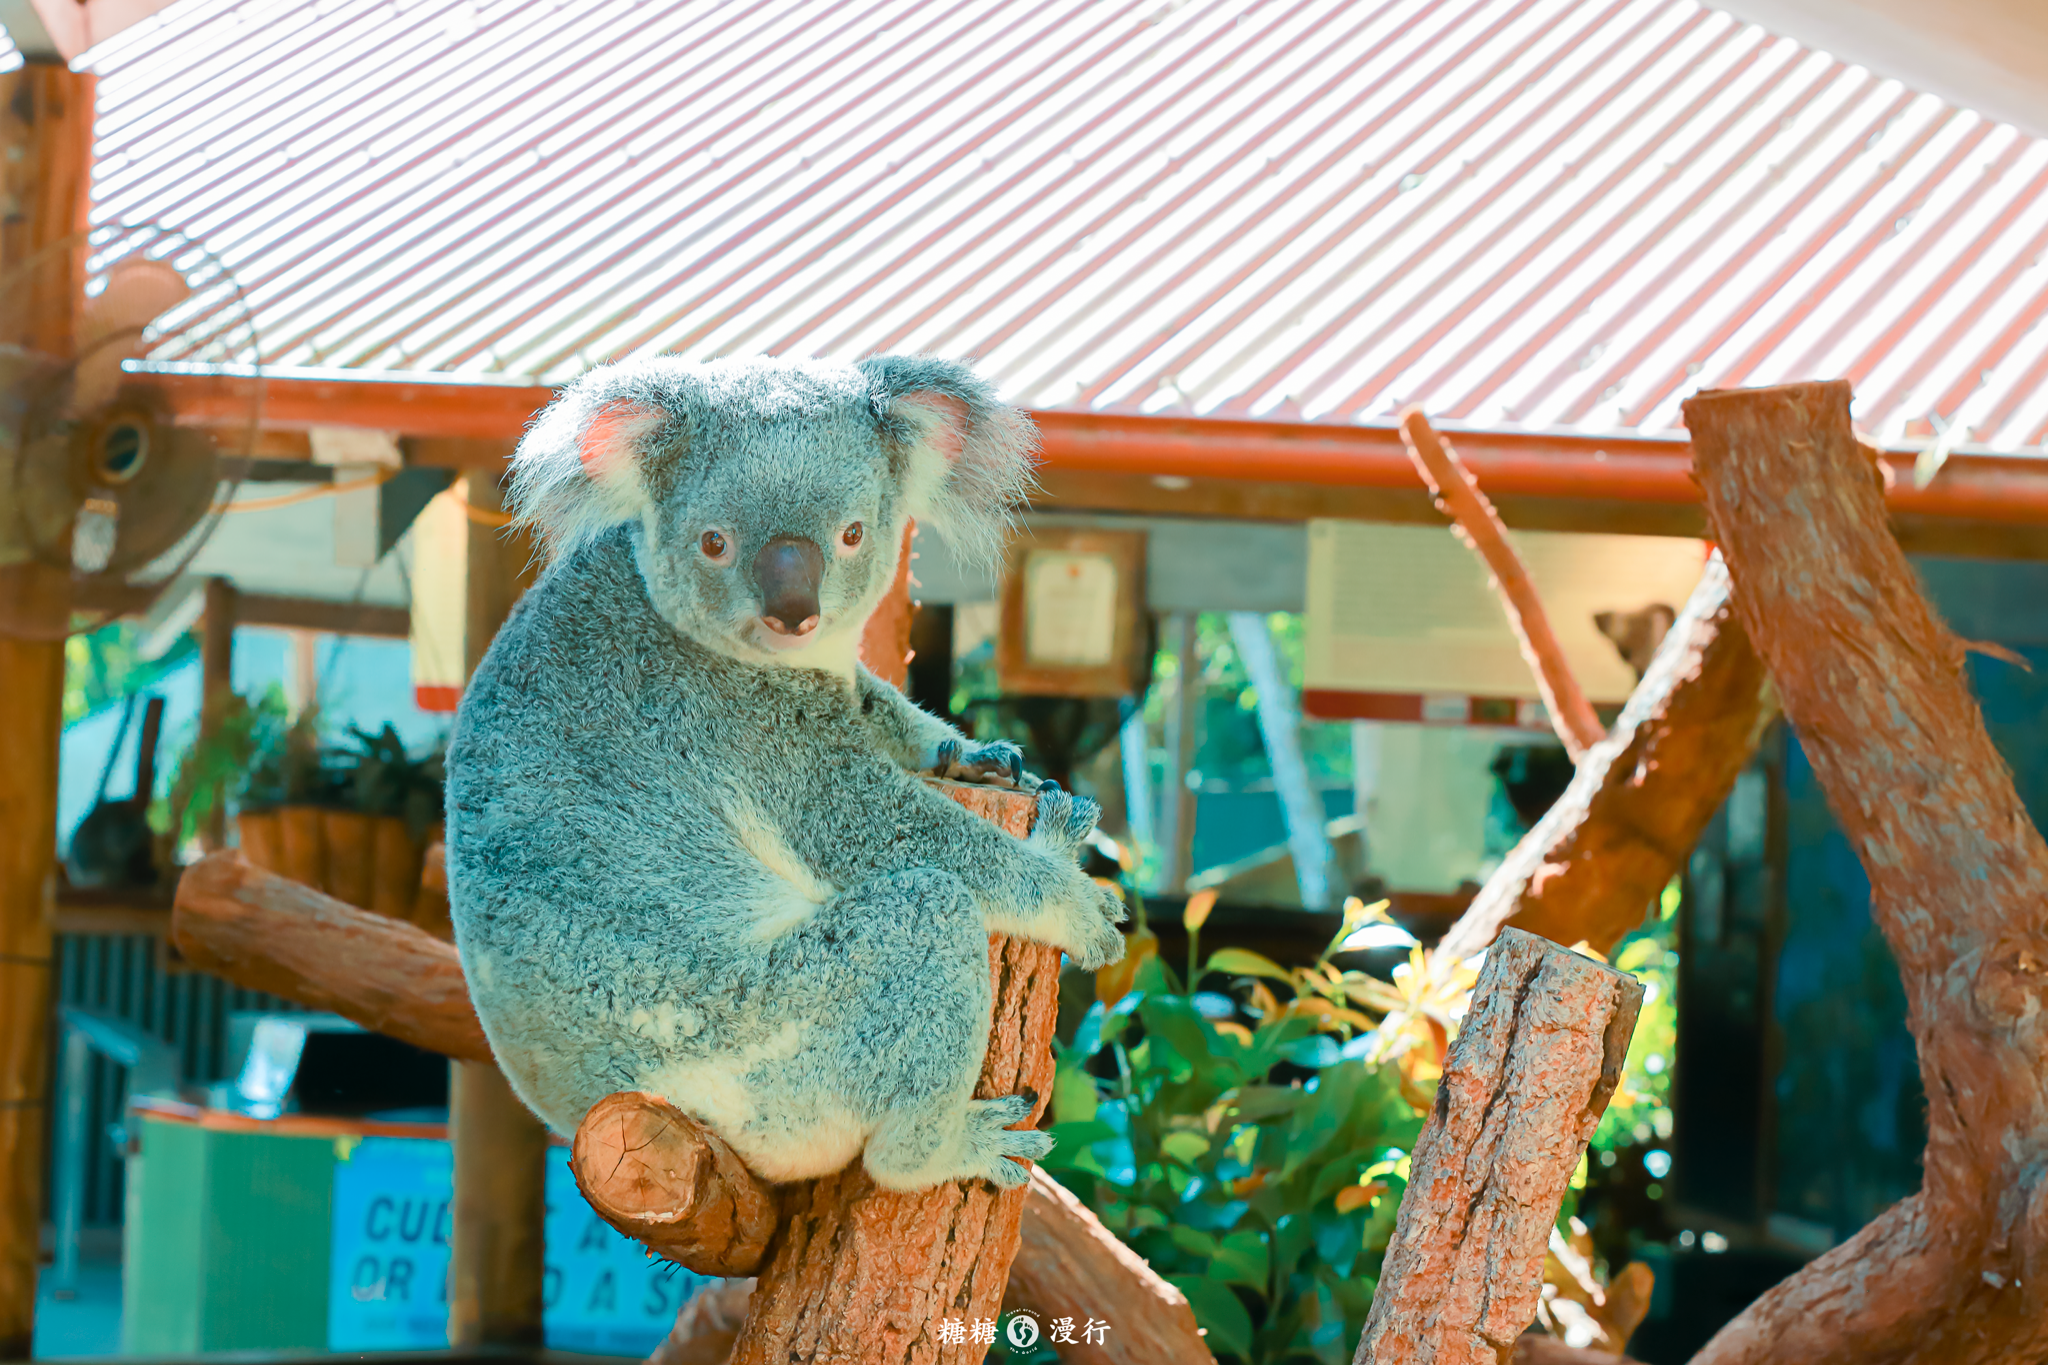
column 110, row 328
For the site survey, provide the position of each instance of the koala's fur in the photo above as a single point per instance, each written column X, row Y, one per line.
column 689, row 855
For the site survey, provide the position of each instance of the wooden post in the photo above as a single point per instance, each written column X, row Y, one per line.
column 1183, row 729
column 217, row 686
column 32, row 681
column 1524, row 1086
column 1874, row 683
column 496, row 1252
column 46, row 116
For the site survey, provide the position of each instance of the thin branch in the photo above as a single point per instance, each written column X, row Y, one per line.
column 1459, row 498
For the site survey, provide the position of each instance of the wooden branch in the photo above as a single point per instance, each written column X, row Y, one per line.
column 1624, row 827
column 262, row 931
column 1523, row 1088
column 667, row 1181
column 708, row 1325
column 1473, row 517
column 1071, row 1266
column 1875, row 684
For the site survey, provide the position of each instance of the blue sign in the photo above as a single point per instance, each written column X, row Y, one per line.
column 388, row 1285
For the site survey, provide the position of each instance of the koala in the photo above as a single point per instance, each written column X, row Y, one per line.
column 690, row 847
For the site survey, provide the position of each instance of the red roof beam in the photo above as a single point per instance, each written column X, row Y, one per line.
column 1506, row 464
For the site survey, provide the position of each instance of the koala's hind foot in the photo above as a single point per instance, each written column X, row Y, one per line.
column 916, row 1148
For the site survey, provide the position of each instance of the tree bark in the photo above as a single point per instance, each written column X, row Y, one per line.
column 667, row 1181
column 1624, row 827
column 1479, row 526
column 1874, row 683
column 1523, row 1088
column 267, row 933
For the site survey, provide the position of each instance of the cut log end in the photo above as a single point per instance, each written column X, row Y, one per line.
column 666, row 1180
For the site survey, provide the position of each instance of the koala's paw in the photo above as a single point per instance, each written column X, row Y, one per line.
column 1094, row 940
column 1000, row 764
column 991, row 1142
column 1064, row 820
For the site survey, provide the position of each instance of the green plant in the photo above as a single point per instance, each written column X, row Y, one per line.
column 296, row 767
column 214, row 770
column 383, row 779
column 1252, row 1150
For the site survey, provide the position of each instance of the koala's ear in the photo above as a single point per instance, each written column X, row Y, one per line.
column 581, row 468
column 965, row 459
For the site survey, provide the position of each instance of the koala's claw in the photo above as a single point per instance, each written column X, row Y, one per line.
column 1064, row 820
column 991, row 1142
column 998, row 764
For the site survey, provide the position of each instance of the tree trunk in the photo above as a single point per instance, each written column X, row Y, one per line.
column 1596, row 862
column 1874, row 683
column 1523, row 1088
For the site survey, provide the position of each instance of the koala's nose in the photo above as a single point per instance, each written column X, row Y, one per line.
column 787, row 570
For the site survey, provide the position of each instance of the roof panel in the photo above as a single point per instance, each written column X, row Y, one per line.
column 1523, row 213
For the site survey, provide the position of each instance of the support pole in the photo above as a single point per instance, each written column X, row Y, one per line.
column 217, row 686
column 496, row 1251
column 1280, row 728
column 1183, row 723
column 46, row 114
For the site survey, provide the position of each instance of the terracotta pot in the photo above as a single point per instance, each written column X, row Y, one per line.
column 350, row 855
column 395, row 867
column 261, row 838
column 303, row 847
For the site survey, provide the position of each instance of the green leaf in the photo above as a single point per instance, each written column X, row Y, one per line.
column 1184, row 1146
column 1343, row 1171
column 1175, row 1019
column 1245, row 962
column 1192, row 1240
column 1220, row 1311
column 1242, row 1259
column 1074, row 1097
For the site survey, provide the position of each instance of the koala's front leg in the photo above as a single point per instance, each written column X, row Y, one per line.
column 919, row 742
column 1028, row 887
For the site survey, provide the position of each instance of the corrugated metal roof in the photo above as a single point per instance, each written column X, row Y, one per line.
column 1522, row 213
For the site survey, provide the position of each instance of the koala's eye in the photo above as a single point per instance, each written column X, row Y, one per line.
column 713, row 545
column 851, row 535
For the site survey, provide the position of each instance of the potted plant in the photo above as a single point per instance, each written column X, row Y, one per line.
column 292, row 784
column 377, row 845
